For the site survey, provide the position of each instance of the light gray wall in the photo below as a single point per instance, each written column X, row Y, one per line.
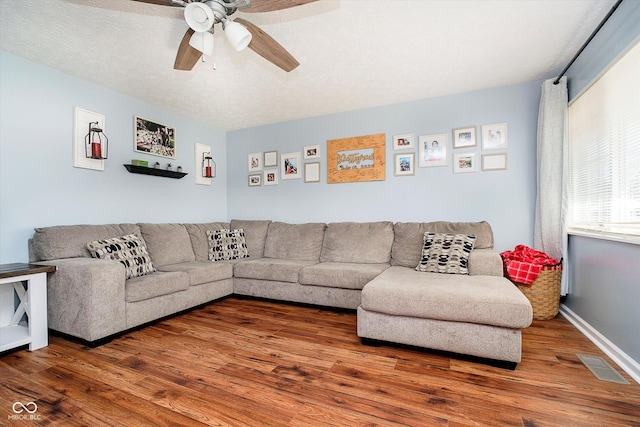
column 504, row 198
column 39, row 185
column 604, row 275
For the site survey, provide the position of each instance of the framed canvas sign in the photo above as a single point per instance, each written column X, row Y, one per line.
column 290, row 166
column 405, row 164
column 494, row 137
column 356, row 159
column 464, row 137
column 154, row 138
column 433, row 150
column 255, row 162
column 403, row 142
column 464, row 163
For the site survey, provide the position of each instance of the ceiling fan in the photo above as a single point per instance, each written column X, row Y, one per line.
column 202, row 15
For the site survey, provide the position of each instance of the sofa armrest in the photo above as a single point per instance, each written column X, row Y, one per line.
column 485, row 262
column 86, row 297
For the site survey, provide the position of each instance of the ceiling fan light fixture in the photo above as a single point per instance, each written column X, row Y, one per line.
column 199, row 17
column 237, row 34
column 204, row 42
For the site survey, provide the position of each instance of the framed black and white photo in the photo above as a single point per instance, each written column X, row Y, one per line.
column 255, row 180
column 255, row 162
column 270, row 177
column 270, row 159
column 433, row 150
column 290, row 166
column 403, row 142
column 494, row 137
column 154, row 138
column 312, row 152
column 405, row 164
column 464, row 163
column 494, row 162
column 312, row 172
column 464, row 137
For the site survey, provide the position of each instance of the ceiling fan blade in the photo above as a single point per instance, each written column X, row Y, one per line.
column 187, row 56
column 271, row 5
column 158, row 2
column 264, row 45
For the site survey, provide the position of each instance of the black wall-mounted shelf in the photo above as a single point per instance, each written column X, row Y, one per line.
column 155, row 172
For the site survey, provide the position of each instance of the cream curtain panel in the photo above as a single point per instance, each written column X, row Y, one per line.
column 551, row 199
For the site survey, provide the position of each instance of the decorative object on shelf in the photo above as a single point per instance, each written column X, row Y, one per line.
column 405, row 164
column 141, row 163
column 290, row 166
column 271, row 177
column 270, row 159
column 312, row 172
column 433, row 150
column 312, row 152
column 96, row 143
column 255, row 162
column 494, row 137
column 169, row 167
column 464, row 162
column 464, row 137
column 155, row 171
column 83, row 154
column 208, row 166
column 403, row 142
column 494, row 162
column 179, row 169
column 255, row 180
column 154, row 138
column 356, row 159
column 156, row 165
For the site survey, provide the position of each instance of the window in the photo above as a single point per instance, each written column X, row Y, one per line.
column 604, row 151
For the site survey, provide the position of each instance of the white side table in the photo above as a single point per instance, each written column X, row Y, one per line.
column 29, row 283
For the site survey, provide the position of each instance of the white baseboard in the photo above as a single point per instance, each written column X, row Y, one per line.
column 623, row 360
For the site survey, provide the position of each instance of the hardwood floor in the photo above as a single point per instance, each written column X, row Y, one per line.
column 258, row 363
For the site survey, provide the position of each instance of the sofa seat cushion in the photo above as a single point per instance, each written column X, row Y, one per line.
column 358, row 242
column 487, row 300
column 201, row 272
column 155, row 285
column 282, row 270
column 340, row 274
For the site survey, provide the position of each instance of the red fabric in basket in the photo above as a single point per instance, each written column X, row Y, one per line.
column 524, row 264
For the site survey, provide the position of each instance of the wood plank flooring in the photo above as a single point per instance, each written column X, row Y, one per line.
column 249, row 362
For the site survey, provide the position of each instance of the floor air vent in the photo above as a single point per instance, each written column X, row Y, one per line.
column 601, row 369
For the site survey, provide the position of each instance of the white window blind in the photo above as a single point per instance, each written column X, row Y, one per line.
column 604, row 151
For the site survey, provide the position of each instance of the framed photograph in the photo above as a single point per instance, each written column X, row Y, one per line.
column 270, row 159
column 154, row 138
column 405, row 164
column 290, row 166
column 312, row 172
column 312, row 152
column 255, row 180
column 494, row 162
column 464, row 162
column 255, row 162
column 464, row 137
column 356, row 159
column 494, row 137
column 433, row 150
column 403, row 142
column 271, row 177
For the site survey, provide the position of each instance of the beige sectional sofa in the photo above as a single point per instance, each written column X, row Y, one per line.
column 365, row 266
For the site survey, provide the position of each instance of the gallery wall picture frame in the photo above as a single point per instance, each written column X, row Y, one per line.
column 464, row 137
column 312, row 152
column 432, row 150
column 312, row 172
column 494, row 162
column 405, row 164
column 255, row 180
column 254, row 162
column 404, row 142
column 270, row 177
column 494, row 136
column 464, row 163
column 156, row 139
column 290, row 166
column 356, row 159
column 270, row 159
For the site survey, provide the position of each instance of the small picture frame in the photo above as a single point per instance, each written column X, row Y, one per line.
column 494, row 162
column 271, row 177
column 433, row 150
column 494, row 137
column 405, row 164
column 464, row 137
column 312, row 172
column 290, row 166
column 404, row 141
column 270, row 159
column 151, row 137
column 312, row 152
column 255, row 162
column 464, row 163
column 255, row 180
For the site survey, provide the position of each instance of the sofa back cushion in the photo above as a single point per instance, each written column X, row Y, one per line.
column 199, row 240
column 167, row 243
column 409, row 238
column 255, row 234
column 365, row 242
column 294, row 241
column 70, row 241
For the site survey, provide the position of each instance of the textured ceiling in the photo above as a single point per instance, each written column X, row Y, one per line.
column 354, row 54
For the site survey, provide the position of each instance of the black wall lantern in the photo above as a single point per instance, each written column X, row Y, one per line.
column 96, row 143
column 208, row 165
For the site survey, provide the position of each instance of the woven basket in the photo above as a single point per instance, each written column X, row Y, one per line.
column 544, row 292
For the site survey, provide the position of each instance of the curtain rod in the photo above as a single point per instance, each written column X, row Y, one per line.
column 606, row 18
